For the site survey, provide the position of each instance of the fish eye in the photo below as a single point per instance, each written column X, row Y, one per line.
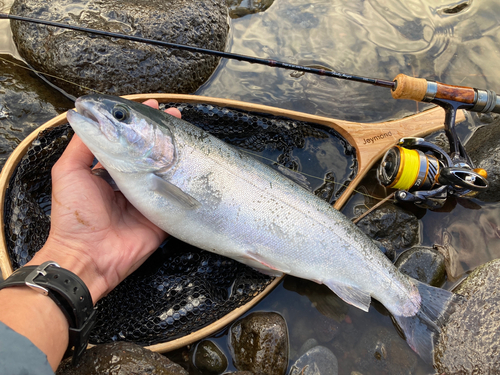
column 120, row 113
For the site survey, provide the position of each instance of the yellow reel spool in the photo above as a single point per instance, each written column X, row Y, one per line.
column 407, row 169
column 408, row 173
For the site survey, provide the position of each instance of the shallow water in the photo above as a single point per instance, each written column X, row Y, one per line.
column 456, row 42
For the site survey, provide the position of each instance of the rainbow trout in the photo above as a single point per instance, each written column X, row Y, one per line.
column 213, row 196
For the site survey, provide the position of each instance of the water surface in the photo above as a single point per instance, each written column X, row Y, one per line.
column 456, row 42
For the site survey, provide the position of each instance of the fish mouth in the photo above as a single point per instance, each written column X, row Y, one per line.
column 84, row 111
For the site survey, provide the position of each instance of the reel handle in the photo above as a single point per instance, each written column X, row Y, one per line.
column 422, row 90
column 463, row 177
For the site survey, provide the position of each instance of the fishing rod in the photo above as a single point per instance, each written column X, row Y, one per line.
column 227, row 55
column 414, row 165
column 402, row 87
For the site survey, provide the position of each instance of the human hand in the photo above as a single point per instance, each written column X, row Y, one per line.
column 95, row 232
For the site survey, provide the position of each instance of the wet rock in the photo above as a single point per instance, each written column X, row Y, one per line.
column 325, row 329
column 240, row 8
column 25, row 103
column 259, row 343
column 454, row 268
column 483, row 148
column 120, row 358
column 424, row 264
column 317, row 361
column 393, row 227
column 384, row 353
column 321, row 297
column 469, row 342
column 309, row 344
column 117, row 66
column 208, row 358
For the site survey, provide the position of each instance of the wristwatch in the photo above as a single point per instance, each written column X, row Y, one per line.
column 68, row 291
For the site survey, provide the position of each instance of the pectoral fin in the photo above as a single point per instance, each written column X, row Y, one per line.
column 350, row 294
column 171, row 191
column 104, row 174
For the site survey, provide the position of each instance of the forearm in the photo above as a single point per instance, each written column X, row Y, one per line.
column 38, row 318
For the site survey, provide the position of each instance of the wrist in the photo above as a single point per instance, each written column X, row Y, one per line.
column 76, row 261
column 69, row 293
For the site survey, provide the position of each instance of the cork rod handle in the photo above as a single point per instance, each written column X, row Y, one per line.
column 409, row 88
column 416, row 89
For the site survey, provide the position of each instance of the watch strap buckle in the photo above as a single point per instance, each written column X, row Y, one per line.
column 40, row 270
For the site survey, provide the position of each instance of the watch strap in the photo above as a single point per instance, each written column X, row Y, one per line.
column 68, row 291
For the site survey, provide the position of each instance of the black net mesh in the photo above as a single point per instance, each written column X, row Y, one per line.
column 179, row 289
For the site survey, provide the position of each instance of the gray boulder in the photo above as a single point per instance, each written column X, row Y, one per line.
column 85, row 62
column 469, row 342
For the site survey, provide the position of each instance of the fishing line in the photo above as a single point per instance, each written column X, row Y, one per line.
column 246, row 151
column 38, row 72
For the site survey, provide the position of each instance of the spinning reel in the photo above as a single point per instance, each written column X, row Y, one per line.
column 425, row 174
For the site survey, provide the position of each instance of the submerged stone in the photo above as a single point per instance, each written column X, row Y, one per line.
column 395, row 228
column 317, row 361
column 259, row 343
column 117, row 66
column 240, row 8
column 120, row 358
column 469, row 341
column 483, row 148
column 385, row 352
column 208, row 358
column 424, row 264
column 26, row 102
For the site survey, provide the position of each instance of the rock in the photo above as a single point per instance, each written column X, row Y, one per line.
column 424, row 264
column 384, row 353
column 321, row 297
column 116, row 66
column 25, row 104
column 208, row 358
column 469, row 341
column 454, row 268
column 119, row 358
column 483, row 148
column 393, row 227
column 240, row 8
column 259, row 343
column 317, row 361
column 325, row 329
column 309, row 344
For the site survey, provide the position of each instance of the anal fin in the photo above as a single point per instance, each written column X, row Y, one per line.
column 350, row 294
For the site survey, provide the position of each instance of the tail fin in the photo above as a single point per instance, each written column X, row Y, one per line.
column 422, row 330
